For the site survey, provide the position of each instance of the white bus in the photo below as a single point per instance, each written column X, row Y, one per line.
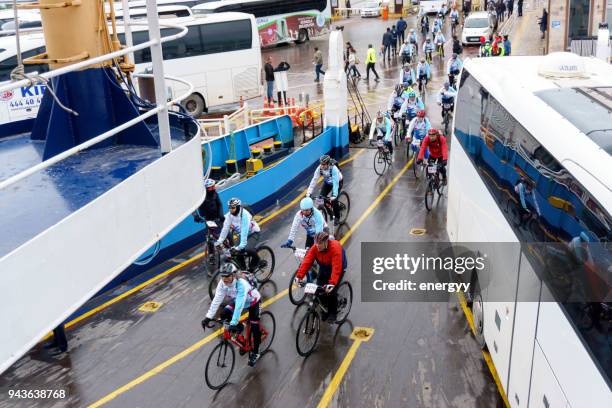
column 530, row 162
column 433, row 6
column 220, row 56
column 278, row 21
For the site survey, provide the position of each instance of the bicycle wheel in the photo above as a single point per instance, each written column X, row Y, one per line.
column 380, row 163
column 296, row 292
column 266, row 264
column 213, row 262
column 267, row 324
column 344, row 204
column 429, row 196
column 397, row 133
column 220, row 365
column 345, row 301
column 212, row 284
column 308, row 333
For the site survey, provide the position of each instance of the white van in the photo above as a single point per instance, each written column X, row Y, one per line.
column 477, row 24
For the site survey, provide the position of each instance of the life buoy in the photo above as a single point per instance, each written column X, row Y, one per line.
column 304, row 117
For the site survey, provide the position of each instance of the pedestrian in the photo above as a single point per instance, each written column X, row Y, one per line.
column 269, row 71
column 500, row 9
column 348, row 6
column 467, row 7
column 543, row 22
column 386, row 44
column 457, row 47
column 370, row 63
column 346, row 56
column 353, row 61
column 59, row 342
column 394, row 36
column 510, row 7
column 520, row 8
column 401, row 29
column 282, row 84
column 507, row 45
column 318, row 63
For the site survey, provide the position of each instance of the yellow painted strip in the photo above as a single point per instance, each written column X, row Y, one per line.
column 335, row 382
column 485, row 354
column 182, row 264
column 376, row 202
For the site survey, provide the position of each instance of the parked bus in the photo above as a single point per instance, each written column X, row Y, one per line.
column 529, row 174
column 278, row 21
column 220, row 56
column 433, row 6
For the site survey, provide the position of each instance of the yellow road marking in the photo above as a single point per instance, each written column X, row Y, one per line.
column 485, row 354
column 158, row 369
column 182, row 264
column 335, row 382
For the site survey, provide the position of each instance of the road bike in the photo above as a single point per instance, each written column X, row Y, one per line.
column 382, row 157
column 454, row 23
column 428, row 56
column 440, row 51
column 222, row 358
column 447, row 114
column 296, row 292
column 309, row 328
column 434, row 184
column 324, row 204
column 412, row 152
column 213, row 255
column 261, row 273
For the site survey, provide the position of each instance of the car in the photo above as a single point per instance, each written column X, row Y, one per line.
column 370, row 9
column 478, row 24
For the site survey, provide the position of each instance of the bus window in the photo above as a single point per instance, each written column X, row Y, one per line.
column 225, row 37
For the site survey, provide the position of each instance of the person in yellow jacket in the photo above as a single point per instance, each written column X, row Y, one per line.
column 370, row 63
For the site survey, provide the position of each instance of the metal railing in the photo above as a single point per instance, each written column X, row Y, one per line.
column 156, row 40
column 587, row 46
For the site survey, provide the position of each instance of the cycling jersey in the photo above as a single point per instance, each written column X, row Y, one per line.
column 428, row 46
column 423, row 70
column 453, row 66
column 439, row 38
column 241, row 291
column 412, row 108
column 407, row 77
column 454, row 15
column 330, row 176
column 313, row 224
column 242, row 224
column 418, row 128
column 412, row 38
column 447, row 95
column 437, row 149
column 382, row 129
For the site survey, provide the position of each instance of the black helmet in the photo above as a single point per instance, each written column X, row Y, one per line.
column 234, row 203
column 325, row 159
column 228, row 269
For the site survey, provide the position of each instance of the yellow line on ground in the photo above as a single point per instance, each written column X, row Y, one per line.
column 184, row 263
column 485, row 354
column 335, row 382
column 158, row 369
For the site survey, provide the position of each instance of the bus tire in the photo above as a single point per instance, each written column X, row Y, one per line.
column 194, row 104
column 478, row 316
column 302, row 36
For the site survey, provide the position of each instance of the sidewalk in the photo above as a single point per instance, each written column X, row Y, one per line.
column 525, row 31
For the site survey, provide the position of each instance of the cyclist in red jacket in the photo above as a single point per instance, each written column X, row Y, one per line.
column 436, row 142
column 331, row 258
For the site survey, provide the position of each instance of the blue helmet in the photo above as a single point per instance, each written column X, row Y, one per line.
column 584, row 237
column 306, row 204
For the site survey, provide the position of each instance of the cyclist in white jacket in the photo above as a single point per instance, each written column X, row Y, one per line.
column 241, row 222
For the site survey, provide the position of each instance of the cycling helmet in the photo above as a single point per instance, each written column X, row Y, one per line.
column 446, row 84
column 321, row 237
column 228, row 269
column 379, row 115
column 433, row 132
column 325, row 159
column 584, row 237
column 454, row 56
column 422, row 60
column 411, row 94
column 306, row 204
column 234, row 203
column 421, row 113
column 209, row 183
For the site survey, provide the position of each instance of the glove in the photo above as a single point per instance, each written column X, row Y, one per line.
column 234, row 328
column 287, row 244
column 205, row 323
column 297, row 280
column 332, row 198
column 329, row 288
column 444, row 163
column 419, row 161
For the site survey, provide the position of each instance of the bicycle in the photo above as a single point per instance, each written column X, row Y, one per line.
column 213, row 260
column 422, row 83
column 296, row 292
column 324, row 204
column 412, row 152
column 454, row 23
column 452, row 78
column 432, row 170
column 428, row 56
column 382, row 158
column 440, row 51
column 310, row 325
column 223, row 355
column 262, row 273
column 447, row 113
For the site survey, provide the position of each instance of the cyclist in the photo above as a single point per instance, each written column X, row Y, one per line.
column 439, row 42
column 331, row 258
column 523, row 189
column 428, row 48
column 407, row 51
column 332, row 182
column 382, row 126
column 424, row 24
column 454, row 17
column 407, row 76
column 211, row 209
column 453, row 66
column 412, row 105
column 423, row 71
column 446, row 95
column 310, row 219
column 419, row 126
column 438, row 149
column 437, row 25
column 243, row 297
column 412, row 39
column 241, row 222
column 396, row 99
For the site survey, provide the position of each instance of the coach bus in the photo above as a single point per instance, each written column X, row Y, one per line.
column 530, row 179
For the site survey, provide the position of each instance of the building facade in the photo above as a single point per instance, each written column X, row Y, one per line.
column 574, row 19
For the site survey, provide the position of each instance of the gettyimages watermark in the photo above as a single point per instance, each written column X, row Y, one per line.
column 502, row 272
